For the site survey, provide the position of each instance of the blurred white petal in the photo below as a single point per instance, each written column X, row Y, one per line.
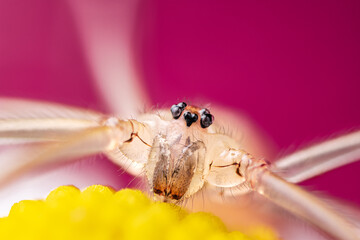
column 106, row 29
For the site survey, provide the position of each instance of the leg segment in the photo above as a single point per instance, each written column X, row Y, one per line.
column 320, row 158
column 302, row 204
column 239, row 169
column 17, row 160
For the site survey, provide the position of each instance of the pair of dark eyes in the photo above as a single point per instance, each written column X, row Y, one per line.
column 205, row 121
column 190, row 118
column 176, row 110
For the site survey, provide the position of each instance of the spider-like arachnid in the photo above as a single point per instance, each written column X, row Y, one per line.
column 107, row 53
column 180, row 150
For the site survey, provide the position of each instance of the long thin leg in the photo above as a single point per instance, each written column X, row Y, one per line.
column 301, row 203
column 32, row 130
column 320, row 158
column 16, row 161
column 14, row 108
column 31, row 121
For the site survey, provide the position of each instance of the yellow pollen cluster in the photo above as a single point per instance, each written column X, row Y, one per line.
column 100, row 213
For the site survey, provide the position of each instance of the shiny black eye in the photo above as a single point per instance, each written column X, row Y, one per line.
column 182, row 105
column 176, row 110
column 206, row 120
column 204, row 111
column 190, row 118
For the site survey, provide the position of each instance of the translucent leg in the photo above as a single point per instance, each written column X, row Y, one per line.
column 30, row 121
column 302, row 204
column 31, row 130
column 320, row 158
column 13, row 108
column 16, row 161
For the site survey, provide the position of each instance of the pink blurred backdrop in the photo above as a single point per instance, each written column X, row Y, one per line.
column 292, row 67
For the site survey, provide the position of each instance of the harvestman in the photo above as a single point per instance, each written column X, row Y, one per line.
column 179, row 150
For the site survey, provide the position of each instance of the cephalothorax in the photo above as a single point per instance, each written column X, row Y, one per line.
column 184, row 153
column 180, row 151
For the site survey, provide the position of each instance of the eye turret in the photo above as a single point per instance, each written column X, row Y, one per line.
column 176, row 110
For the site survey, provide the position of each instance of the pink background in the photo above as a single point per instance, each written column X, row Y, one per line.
column 293, row 68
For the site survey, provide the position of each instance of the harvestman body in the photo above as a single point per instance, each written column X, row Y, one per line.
column 179, row 152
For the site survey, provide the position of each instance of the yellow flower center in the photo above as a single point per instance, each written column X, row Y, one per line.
column 100, row 213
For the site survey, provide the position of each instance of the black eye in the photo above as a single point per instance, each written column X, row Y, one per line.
column 204, row 111
column 206, row 120
column 182, row 105
column 176, row 110
column 190, row 118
